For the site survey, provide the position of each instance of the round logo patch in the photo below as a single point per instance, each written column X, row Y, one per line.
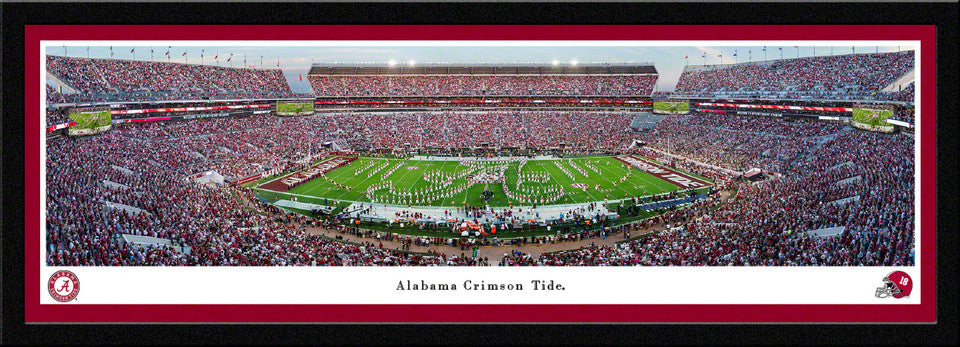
column 63, row 286
column 412, row 167
column 579, row 185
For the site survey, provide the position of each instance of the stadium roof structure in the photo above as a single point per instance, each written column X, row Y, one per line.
column 326, row 69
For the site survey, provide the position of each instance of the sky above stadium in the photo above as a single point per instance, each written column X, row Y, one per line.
column 295, row 61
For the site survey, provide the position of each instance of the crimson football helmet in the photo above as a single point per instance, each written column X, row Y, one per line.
column 897, row 284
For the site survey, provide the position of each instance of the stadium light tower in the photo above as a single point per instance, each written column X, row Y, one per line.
column 392, row 63
column 556, row 62
column 573, row 62
column 411, row 62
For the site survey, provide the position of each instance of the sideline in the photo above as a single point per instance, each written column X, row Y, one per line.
column 493, row 254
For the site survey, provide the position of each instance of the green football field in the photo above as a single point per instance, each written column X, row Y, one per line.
column 436, row 179
column 872, row 117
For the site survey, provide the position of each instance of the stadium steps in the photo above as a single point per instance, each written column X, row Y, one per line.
column 148, row 241
column 824, row 232
column 849, row 180
column 122, row 169
column 848, row 163
column 844, row 201
column 114, row 185
column 129, row 209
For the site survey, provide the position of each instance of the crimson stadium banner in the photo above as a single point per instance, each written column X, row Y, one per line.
column 553, row 305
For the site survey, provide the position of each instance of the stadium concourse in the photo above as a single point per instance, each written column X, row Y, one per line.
column 135, row 178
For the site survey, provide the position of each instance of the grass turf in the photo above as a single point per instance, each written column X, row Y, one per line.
column 410, row 176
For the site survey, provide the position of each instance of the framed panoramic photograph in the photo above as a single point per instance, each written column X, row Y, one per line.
column 479, row 173
column 372, row 166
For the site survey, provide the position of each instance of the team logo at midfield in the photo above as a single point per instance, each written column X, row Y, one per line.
column 63, row 286
column 897, row 284
column 412, row 167
column 579, row 186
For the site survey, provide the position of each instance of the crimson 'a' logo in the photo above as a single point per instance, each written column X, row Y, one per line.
column 63, row 286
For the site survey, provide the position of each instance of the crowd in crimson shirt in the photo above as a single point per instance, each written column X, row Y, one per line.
column 837, row 76
column 472, row 85
column 823, row 166
column 134, row 80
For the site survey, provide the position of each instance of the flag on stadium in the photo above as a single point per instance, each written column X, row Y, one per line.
column 184, row 53
column 734, row 53
column 231, row 57
column 201, row 53
column 131, row 51
column 301, row 77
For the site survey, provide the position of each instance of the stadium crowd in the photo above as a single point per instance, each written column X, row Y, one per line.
column 824, row 76
column 86, row 216
column 904, row 114
column 514, row 129
column 832, row 176
column 462, row 85
column 132, row 80
column 843, row 181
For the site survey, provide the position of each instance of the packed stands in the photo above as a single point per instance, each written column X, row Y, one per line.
column 131, row 180
column 736, row 142
column 482, row 85
column 55, row 117
column 845, row 181
column 130, row 80
column 904, row 114
column 764, row 224
column 482, row 80
column 216, row 227
column 514, row 129
column 827, row 77
column 54, row 97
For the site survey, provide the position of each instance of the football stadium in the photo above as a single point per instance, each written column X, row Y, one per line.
column 803, row 161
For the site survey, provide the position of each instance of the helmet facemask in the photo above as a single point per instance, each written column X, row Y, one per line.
column 888, row 289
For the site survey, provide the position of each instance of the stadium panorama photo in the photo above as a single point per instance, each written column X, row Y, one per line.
column 758, row 156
